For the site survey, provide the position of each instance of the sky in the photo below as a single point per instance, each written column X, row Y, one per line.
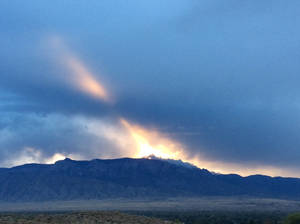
column 211, row 82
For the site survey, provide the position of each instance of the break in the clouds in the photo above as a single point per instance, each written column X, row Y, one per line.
column 215, row 81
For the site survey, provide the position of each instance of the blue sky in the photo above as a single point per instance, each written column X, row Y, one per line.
column 219, row 78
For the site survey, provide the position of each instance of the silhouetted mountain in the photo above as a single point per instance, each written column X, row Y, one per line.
column 132, row 178
column 173, row 161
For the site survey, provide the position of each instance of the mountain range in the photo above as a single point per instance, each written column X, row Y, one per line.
column 133, row 178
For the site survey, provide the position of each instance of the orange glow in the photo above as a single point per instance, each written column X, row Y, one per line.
column 79, row 76
column 149, row 142
column 152, row 143
column 84, row 80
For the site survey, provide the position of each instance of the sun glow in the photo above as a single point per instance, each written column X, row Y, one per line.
column 152, row 143
column 145, row 148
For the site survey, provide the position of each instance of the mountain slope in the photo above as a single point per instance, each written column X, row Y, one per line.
column 132, row 178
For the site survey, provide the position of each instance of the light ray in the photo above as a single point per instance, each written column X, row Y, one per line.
column 77, row 73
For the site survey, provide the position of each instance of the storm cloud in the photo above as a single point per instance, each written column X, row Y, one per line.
column 219, row 77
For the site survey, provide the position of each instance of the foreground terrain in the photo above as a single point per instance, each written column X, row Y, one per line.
column 158, row 204
column 216, row 210
column 151, row 217
column 80, row 218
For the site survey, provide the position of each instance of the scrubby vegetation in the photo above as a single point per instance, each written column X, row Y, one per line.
column 154, row 217
column 227, row 217
column 79, row 218
column 293, row 219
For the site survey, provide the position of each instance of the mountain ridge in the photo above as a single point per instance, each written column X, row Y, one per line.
column 133, row 178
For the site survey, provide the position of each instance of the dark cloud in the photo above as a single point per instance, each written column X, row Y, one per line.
column 222, row 78
column 55, row 134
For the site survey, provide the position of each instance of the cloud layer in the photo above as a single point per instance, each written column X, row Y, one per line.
column 220, row 80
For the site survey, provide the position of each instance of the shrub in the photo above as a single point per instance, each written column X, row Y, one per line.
column 293, row 219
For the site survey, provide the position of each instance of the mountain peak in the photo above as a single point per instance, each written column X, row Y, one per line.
column 178, row 162
column 66, row 160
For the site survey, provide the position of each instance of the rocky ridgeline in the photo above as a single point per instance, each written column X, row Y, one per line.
column 79, row 218
column 133, row 179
